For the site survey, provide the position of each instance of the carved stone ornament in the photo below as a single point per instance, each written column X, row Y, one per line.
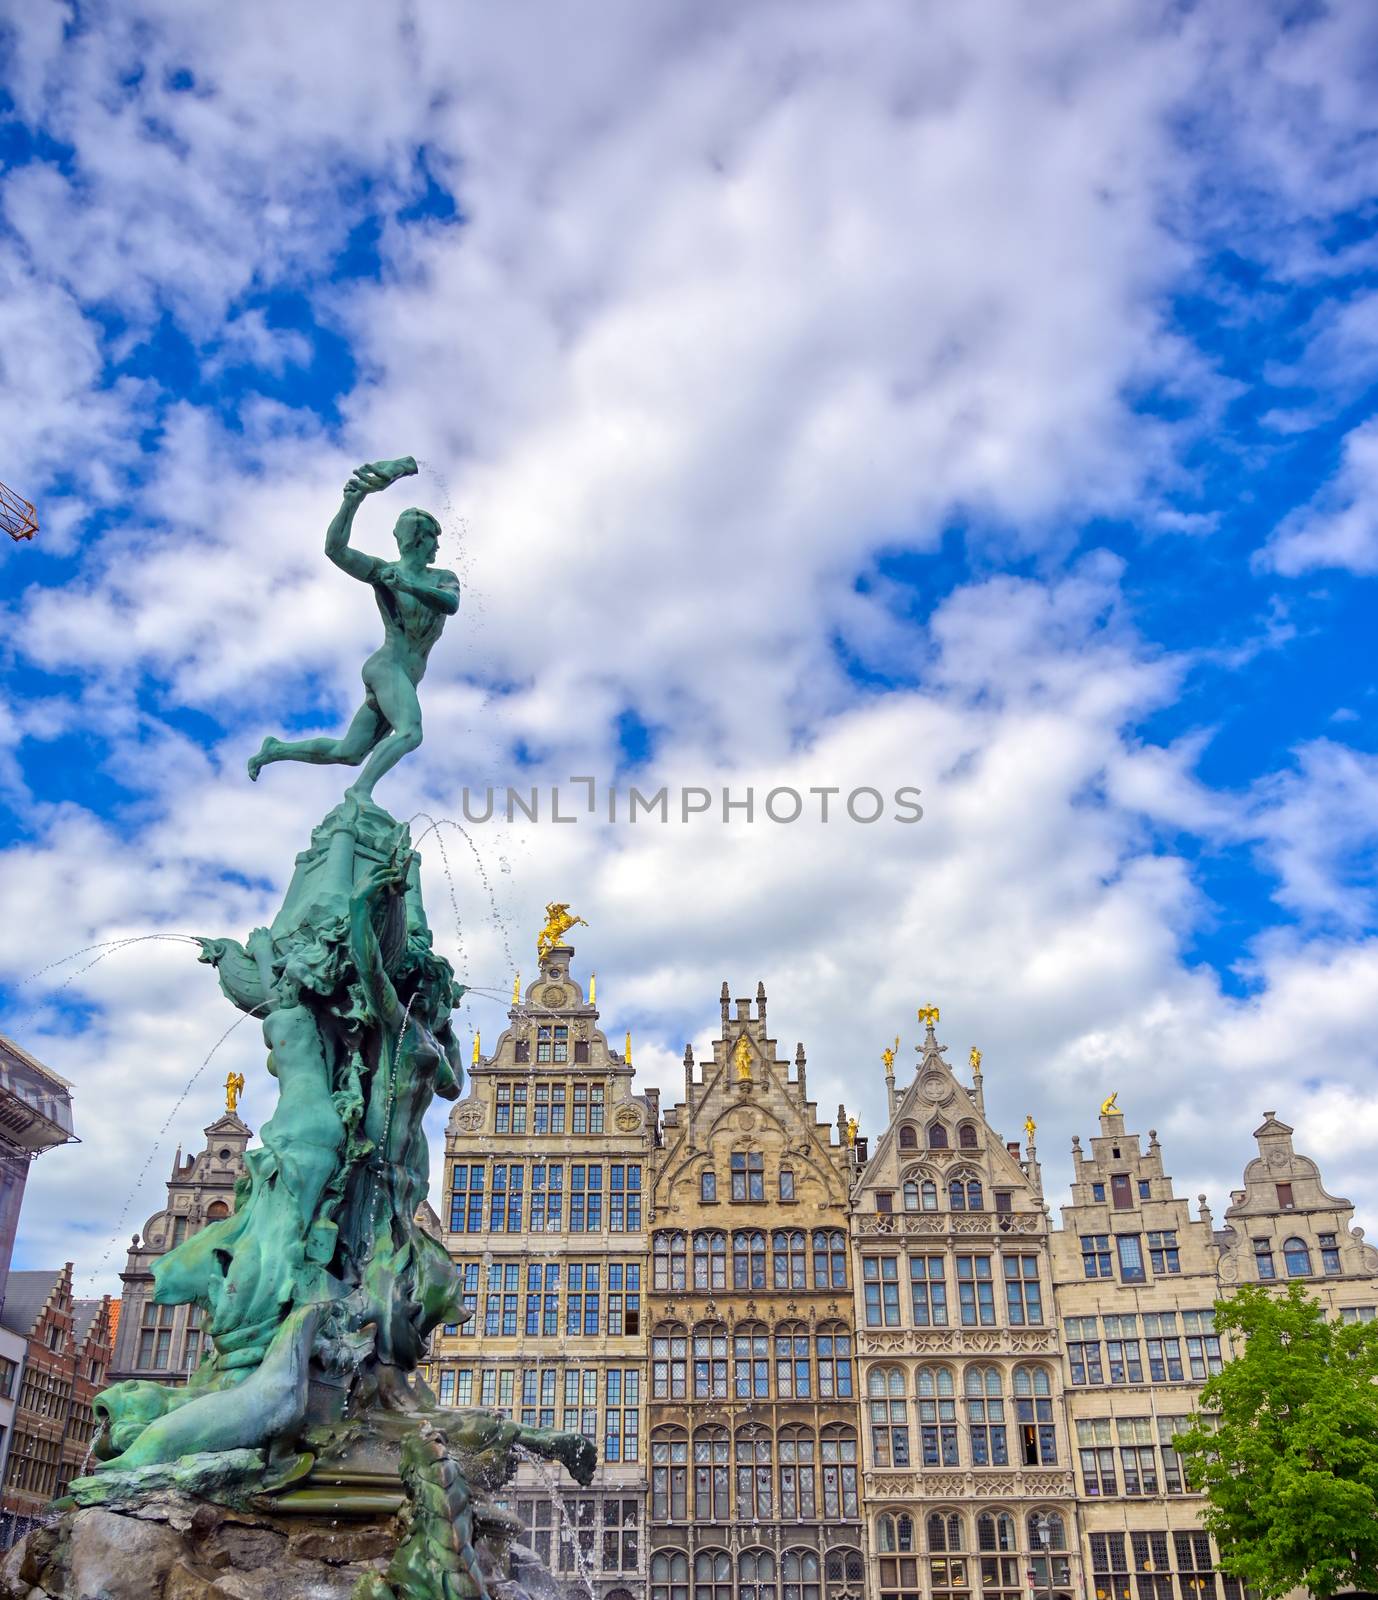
column 936, row 1087
column 628, row 1120
column 470, row 1118
column 553, row 995
column 746, row 1121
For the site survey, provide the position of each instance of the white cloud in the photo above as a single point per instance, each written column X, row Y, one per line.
column 1340, row 527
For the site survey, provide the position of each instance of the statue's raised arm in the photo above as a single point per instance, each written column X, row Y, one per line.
column 414, row 599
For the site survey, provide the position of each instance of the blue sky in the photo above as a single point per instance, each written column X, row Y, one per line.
column 978, row 398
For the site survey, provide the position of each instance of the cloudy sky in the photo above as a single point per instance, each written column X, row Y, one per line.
column 982, row 398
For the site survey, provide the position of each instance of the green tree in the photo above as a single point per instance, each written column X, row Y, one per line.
column 1287, row 1446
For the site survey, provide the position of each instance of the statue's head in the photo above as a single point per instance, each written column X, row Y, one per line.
column 417, row 530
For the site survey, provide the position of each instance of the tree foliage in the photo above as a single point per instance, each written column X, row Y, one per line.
column 1289, row 1460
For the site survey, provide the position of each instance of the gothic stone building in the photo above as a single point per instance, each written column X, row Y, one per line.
column 165, row 1343
column 753, row 1410
column 547, row 1162
column 968, row 1485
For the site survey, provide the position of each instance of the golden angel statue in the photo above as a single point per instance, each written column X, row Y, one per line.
column 234, row 1087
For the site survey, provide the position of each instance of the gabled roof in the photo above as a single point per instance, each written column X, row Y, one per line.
column 26, row 1293
column 87, row 1313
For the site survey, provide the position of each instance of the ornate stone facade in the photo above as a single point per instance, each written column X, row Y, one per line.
column 967, row 1463
column 165, row 1343
column 547, row 1162
column 753, row 1406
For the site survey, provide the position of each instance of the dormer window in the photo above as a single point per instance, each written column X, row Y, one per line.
column 1285, row 1200
column 1121, row 1196
column 937, row 1136
column 966, row 1136
column 909, row 1140
column 552, row 1043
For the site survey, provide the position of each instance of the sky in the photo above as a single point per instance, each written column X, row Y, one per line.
column 979, row 399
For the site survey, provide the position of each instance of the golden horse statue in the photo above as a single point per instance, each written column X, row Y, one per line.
column 558, row 922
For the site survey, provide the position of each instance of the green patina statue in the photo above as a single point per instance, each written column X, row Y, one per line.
column 320, row 1291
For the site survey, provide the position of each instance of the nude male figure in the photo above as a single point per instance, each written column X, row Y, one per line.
column 414, row 599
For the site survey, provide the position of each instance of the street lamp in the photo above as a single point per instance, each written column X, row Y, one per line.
column 1041, row 1524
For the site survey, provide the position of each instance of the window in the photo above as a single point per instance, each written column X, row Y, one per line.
column 446, row 1394
column 1083, row 1350
column 586, row 1198
column 1203, row 1343
column 620, row 1537
column 510, row 1108
column 668, row 1258
column 1097, row 1457
column 500, row 1303
column 710, row 1261
column 793, row 1372
column 1033, row 1411
column 830, row 1259
column 1047, row 1534
column 542, row 1299
column 1297, row 1258
column 800, row 1570
column 505, row 1200
column 466, row 1199
column 548, row 1112
column 1164, row 1349
column 837, row 1447
column 937, row 1136
column 1131, row 1257
column 909, row 1140
column 834, row 1363
column 669, row 1575
column 751, row 1362
column 927, row 1292
column 624, row 1198
column 669, row 1477
column 1098, row 1191
column 756, row 1571
column 622, row 1415
column 669, row 1357
column 468, row 1272
column 787, row 1250
column 1285, row 1201
column 1330, row 1253
column 964, row 1192
column 966, row 1137
column 755, row 1488
column 749, row 1260
column 1263, row 1259
column 710, row 1361
column 712, row 1469
column 920, row 1195
column 1095, row 1255
column 748, row 1175
column 881, row 1291
column 538, row 1398
column 786, row 1183
column 1163, row 1254
column 624, row 1298
column 1168, row 1429
column 798, row 1483
column 1000, row 1572
column 1359, row 1314
column 937, row 1417
column 1137, row 1438
column 155, row 1338
column 986, row 1417
column 587, row 1115
column 547, row 1197
column 887, row 1407
column 1023, row 1297
column 1004, row 1202
column 948, row 1574
column 712, row 1575
column 708, row 1187
column 899, row 1567
column 885, row 1201
column 1120, row 1195
column 975, row 1291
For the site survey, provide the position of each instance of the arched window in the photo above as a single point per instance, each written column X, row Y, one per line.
column 216, row 1210
column 1033, row 1415
column 829, row 1259
column 670, row 1575
column 986, row 1417
column 928, row 1195
column 964, row 1191
column 708, row 1186
column 1297, row 1257
column 995, row 1533
column 837, row 1447
column 748, row 1259
column 710, row 1260
column 798, row 1474
column 751, row 1361
column 937, row 1135
column 966, row 1137
column 1047, row 1537
column 712, row 1575
column 668, row 1251
column 909, row 1138
column 793, row 1372
column 800, row 1570
column 756, row 1572
column 888, row 1409
column 712, row 1468
column 787, row 1249
column 669, row 1359
column 911, row 1194
column 895, row 1533
column 937, row 1417
column 669, row 1475
column 1052, row 1524
column 755, row 1497
column 944, row 1531
column 844, row 1572
column 710, row 1361
column 834, row 1362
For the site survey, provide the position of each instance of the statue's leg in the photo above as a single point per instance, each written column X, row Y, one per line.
column 359, row 738
column 401, row 711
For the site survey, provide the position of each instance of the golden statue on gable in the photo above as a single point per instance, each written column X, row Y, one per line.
column 558, row 922
column 234, row 1087
column 929, row 1015
column 1107, row 1107
column 741, row 1059
column 1030, row 1127
column 888, row 1056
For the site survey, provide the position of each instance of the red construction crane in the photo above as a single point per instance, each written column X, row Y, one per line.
column 17, row 517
